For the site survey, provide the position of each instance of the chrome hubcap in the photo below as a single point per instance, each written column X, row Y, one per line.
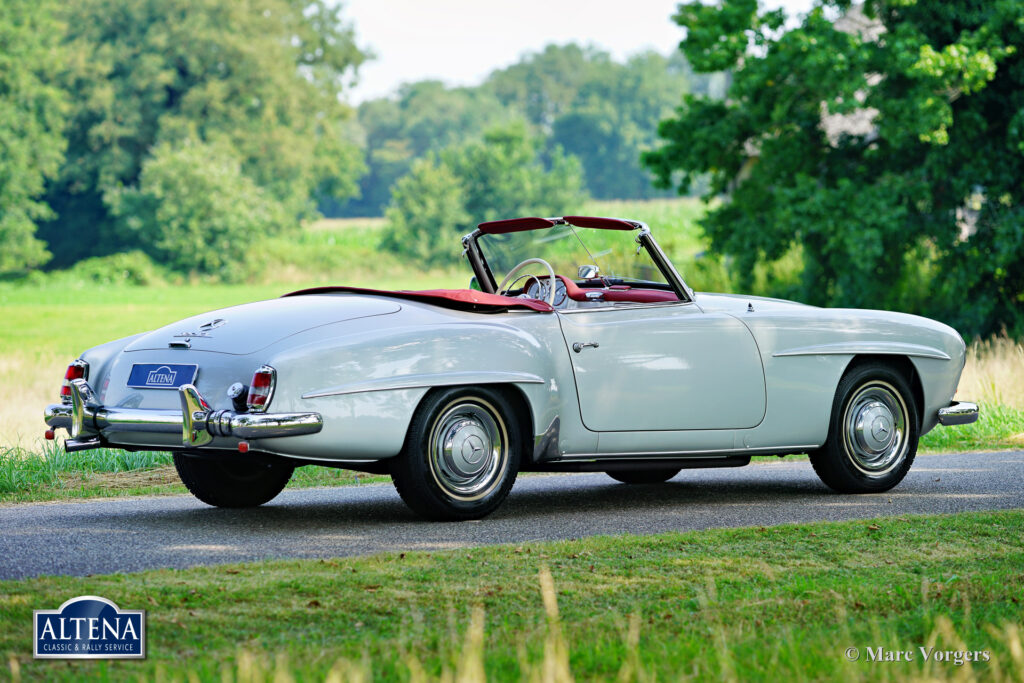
column 468, row 449
column 875, row 428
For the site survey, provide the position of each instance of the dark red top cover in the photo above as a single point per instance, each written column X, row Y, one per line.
column 535, row 223
column 514, row 225
column 459, row 299
column 599, row 223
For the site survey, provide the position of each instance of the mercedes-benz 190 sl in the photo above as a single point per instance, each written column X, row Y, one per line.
column 578, row 347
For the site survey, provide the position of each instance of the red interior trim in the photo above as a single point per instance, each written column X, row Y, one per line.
column 617, row 293
column 459, row 299
column 514, row 225
column 600, row 223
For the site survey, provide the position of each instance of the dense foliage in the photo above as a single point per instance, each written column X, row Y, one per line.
column 507, row 173
column 869, row 145
column 580, row 100
column 259, row 82
column 32, row 112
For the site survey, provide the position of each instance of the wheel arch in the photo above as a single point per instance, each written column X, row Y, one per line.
column 901, row 364
column 516, row 398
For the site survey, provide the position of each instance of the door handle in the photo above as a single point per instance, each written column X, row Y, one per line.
column 579, row 346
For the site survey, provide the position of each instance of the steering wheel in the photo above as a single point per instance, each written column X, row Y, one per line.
column 502, row 289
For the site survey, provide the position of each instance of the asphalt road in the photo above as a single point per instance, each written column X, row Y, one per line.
column 132, row 534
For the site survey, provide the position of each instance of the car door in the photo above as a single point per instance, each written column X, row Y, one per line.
column 663, row 367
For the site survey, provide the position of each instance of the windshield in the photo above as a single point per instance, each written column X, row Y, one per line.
column 566, row 248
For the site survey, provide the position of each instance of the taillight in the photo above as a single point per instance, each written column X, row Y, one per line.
column 261, row 389
column 79, row 369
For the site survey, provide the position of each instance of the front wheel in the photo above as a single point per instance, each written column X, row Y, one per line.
column 643, row 476
column 873, row 433
column 232, row 484
column 461, row 454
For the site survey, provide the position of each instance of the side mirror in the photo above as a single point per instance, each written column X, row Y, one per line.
column 588, row 272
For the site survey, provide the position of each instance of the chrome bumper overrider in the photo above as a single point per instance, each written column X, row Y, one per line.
column 197, row 423
column 955, row 413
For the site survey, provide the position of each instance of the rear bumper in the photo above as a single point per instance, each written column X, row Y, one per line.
column 196, row 423
column 958, row 413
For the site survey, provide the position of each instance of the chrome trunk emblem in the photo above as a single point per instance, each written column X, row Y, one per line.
column 204, row 329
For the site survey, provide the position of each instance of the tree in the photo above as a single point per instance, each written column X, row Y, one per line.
column 194, row 210
column 611, row 122
column 503, row 175
column 425, row 117
column 263, row 78
column 32, row 112
column 427, row 207
column 864, row 142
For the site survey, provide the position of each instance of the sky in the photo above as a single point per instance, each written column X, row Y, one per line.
column 461, row 41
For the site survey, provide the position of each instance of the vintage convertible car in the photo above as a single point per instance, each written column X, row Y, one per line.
column 623, row 369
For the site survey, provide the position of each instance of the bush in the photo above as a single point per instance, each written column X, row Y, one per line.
column 428, row 207
column 196, row 212
column 127, row 268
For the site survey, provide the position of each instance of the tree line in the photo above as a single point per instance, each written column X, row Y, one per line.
column 185, row 128
column 879, row 146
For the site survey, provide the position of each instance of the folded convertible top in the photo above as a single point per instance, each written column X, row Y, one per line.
column 458, row 299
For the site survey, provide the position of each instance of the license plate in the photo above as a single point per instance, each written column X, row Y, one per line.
column 161, row 376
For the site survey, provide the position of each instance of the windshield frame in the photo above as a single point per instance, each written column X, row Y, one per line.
column 644, row 238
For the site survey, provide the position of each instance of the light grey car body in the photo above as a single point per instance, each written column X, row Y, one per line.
column 712, row 377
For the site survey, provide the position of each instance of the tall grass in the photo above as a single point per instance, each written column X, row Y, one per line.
column 50, row 466
column 791, row 661
column 994, row 373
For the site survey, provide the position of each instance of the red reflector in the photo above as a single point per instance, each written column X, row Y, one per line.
column 261, row 379
column 243, row 446
column 49, row 435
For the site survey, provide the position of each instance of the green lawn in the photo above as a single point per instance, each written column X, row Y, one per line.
column 756, row 604
column 52, row 474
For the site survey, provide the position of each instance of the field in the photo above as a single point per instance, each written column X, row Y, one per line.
column 757, row 604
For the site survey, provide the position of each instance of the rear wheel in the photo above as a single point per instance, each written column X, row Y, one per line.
column 461, row 454
column 229, row 484
column 644, row 476
column 873, row 432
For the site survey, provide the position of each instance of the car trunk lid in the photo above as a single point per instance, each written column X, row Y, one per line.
column 245, row 329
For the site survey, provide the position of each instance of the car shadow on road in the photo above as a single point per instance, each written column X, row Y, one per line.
column 366, row 508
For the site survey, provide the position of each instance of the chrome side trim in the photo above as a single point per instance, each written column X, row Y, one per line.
column 447, row 379
column 958, row 413
column 875, row 347
column 676, row 455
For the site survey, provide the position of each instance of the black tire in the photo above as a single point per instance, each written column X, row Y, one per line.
column 644, row 476
column 872, row 434
column 468, row 482
column 228, row 484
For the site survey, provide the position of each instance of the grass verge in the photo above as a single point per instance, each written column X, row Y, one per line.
column 52, row 474
column 751, row 604
column 998, row 427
